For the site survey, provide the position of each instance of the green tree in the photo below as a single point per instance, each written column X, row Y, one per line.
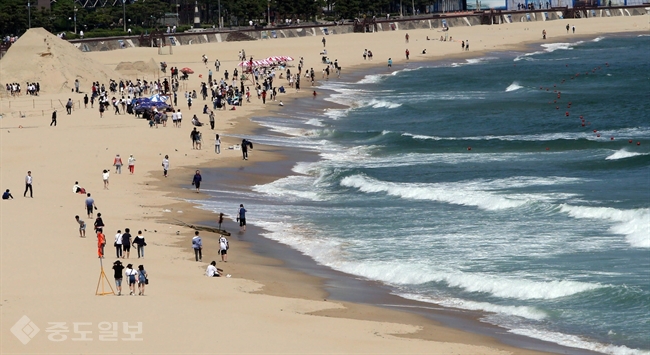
column 13, row 17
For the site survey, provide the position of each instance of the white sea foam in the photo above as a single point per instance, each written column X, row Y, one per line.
column 296, row 186
column 315, row 122
column 519, row 311
column 598, row 39
column 578, row 342
column 631, row 223
column 336, row 114
column 399, row 273
column 382, row 104
column 622, row 154
column 372, row 79
column 433, row 192
column 473, row 61
column 548, row 48
column 514, row 86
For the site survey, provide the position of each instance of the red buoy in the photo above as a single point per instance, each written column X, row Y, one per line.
column 612, row 138
column 595, row 130
column 469, row 148
column 583, row 124
column 630, row 141
column 567, row 113
column 598, row 135
column 638, row 143
column 547, row 148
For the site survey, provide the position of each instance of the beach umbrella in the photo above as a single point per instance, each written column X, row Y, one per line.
column 287, row 58
column 243, row 64
column 187, row 70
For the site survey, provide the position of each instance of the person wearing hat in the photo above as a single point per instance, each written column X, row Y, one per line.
column 131, row 164
column 118, row 267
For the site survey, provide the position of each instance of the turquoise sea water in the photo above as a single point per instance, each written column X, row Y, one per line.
column 543, row 224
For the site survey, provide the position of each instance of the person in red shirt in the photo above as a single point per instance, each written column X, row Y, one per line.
column 101, row 243
column 407, row 54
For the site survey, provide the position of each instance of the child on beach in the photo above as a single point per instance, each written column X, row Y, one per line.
column 217, row 144
column 105, row 175
column 82, row 227
column 165, row 165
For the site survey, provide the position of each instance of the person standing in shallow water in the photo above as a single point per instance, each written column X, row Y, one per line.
column 196, row 181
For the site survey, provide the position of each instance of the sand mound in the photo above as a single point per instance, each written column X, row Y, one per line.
column 139, row 66
column 55, row 63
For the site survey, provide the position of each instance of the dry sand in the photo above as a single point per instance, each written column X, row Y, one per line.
column 49, row 274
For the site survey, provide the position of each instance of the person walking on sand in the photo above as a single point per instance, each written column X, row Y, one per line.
column 126, row 243
column 211, row 118
column 323, row 42
column 142, row 279
column 118, row 244
column 407, row 38
column 131, row 163
column 179, row 118
column 117, row 273
column 86, row 101
column 117, row 163
column 245, row 145
column 217, row 144
column 390, row 62
column 140, row 243
column 82, row 227
column 241, row 217
column 196, row 181
column 99, row 223
column 165, row 165
column 407, row 54
column 90, row 205
column 223, row 248
column 466, row 45
column 53, row 119
column 194, row 137
column 130, row 276
column 68, row 106
column 543, row 34
column 101, row 243
column 197, row 245
column 567, row 28
column 105, row 175
column 28, row 184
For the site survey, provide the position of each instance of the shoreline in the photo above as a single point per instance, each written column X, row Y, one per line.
column 171, row 194
column 335, row 282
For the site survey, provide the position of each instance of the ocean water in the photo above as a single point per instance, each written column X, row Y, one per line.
column 466, row 184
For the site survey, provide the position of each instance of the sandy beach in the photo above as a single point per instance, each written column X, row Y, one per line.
column 49, row 274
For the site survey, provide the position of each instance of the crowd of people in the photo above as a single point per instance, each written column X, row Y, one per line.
column 14, row 89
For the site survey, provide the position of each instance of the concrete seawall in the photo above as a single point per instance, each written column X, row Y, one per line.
column 431, row 22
